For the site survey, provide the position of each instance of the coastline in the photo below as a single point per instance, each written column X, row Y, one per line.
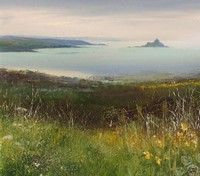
column 57, row 73
column 65, row 76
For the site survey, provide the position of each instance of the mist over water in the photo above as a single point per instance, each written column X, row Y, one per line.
column 104, row 60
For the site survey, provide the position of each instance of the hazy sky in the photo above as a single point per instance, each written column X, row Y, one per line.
column 174, row 21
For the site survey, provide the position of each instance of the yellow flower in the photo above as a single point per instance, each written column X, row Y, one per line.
column 194, row 142
column 160, row 143
column 179, row 135
column 184, row 126
column 147, row 155
column 158, row 160
column 187, row 144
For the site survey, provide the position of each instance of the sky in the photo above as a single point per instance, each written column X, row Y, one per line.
column 175, row 21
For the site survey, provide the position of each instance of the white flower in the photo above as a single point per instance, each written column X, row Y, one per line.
column 17, row 124
column 17, row 143
column 186, row 160
column 21, row 110
column 36, row 164
column 198, row 157
column 192, row 170
column 180, row 171
column 8, row 138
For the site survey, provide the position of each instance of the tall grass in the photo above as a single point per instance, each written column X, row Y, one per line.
column 31, row 147
column 159, row 137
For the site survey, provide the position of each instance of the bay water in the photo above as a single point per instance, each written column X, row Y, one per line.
column 104, row 60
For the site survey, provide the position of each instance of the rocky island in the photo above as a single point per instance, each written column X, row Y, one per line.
column 156, row 43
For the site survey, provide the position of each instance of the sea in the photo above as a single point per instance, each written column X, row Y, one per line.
column 104, row 60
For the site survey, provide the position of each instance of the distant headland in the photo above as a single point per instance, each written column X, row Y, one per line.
column 30, row 44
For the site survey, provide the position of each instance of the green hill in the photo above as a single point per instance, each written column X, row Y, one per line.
column 27, row 44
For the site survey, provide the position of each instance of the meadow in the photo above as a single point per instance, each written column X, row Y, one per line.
column 94, row 128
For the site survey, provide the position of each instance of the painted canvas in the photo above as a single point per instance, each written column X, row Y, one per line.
column 99, row 88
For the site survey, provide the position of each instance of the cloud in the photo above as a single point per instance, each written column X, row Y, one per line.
column 143, row 25
column 105, row 7
column 6, row 17
column 162, row 19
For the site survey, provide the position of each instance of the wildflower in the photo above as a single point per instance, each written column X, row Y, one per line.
column 179, row 135
column 187, row 144
column 186, row 160
column 184, row 126
column 198, row 158
column 147, row 155
column 36, row 164
column 166, row 157
column 21, row 110
column 158, row 160
column 8, row 138
column 194, row 142
column 17, row 143
column 192, row 135
column 159, row 143
column 192, row 170
column 17, row 125
column 180, row 171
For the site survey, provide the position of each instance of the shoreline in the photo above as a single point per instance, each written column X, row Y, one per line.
column 57, row 73
column 70, row 75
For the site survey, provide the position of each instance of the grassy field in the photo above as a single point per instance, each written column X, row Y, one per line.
column 34, row 147
column 132, row 129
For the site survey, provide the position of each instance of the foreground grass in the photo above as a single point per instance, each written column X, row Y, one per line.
column 31, row 147
column 121, row 130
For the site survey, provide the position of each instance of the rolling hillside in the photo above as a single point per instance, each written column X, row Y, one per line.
column 26, row 44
